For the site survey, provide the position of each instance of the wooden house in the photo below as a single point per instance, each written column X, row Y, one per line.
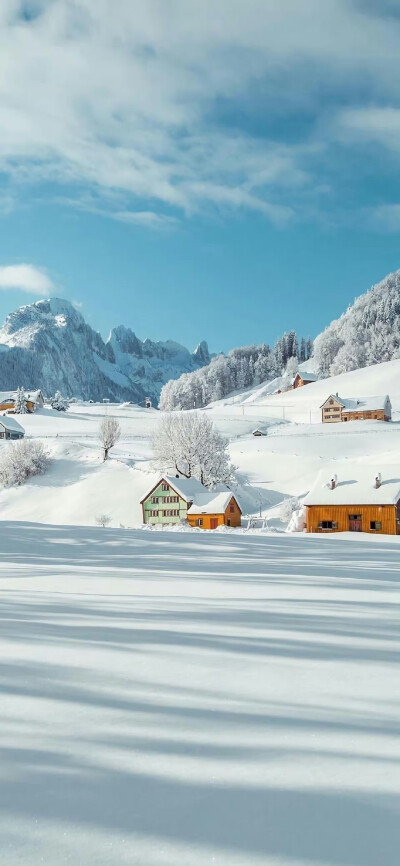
column 33, row 400
column 10, row 429
column 177, row 500
column 213, row 508
column 259, row 432
column 355, row 499
column 337, row 408
column 301, row 379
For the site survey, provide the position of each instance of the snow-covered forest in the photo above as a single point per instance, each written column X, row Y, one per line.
column 241, row 368
column 367, row 333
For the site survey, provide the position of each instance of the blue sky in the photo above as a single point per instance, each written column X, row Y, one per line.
column 199, row 170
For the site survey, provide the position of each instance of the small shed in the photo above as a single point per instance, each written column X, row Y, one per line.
column 10, row 429
column 355, row 499
column 259, row 432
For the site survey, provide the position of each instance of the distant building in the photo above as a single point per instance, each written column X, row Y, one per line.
column 356, row 499
column 258, row 432
column 10, row 429
column 33, row 399
column 148, row 403
column 178, row 500
column 338, row 408
column 301, row 379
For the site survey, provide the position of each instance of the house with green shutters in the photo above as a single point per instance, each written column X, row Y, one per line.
column 169, row 500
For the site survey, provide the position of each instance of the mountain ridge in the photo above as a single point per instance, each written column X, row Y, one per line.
column 48, row 344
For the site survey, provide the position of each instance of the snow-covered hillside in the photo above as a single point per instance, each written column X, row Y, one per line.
column 48, row 345
column 79, row 486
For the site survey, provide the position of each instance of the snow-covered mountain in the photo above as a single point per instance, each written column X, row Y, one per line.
column 49, row 345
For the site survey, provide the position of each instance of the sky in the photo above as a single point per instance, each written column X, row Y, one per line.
column 199, row 169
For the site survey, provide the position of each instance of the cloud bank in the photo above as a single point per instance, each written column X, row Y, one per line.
column 188, row 105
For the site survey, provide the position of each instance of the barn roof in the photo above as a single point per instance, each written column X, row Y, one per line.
column 11, row 424
column 212, row 501
column 309, row 377
column 355, row 485
column 187, row 488
column 360, row 404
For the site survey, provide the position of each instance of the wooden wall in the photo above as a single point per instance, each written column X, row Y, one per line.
column 386, row 514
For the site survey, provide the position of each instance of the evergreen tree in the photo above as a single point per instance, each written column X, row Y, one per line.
column 20, row 402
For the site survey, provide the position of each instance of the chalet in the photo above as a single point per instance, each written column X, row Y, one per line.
column 33, row 399
column 259, row 432
column 301, row 379
column 10, row 429
column 177, row 500
column 338, row 408
column 356, row 499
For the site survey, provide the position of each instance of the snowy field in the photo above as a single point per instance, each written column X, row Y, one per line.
column 78, row 486
column 198, row 699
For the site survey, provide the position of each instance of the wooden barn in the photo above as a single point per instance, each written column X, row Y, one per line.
column 302, row 379
column 213, row 508
column 355, row 499
column 337, row 408
column 177, row 500
column 33, row 400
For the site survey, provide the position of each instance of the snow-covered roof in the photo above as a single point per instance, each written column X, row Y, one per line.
column 30, row 395
column 360, row 404
column 187, row 488
column 212, row 501
column 309, row 377
column 6, row 395
column 11, row 424
column 355, row 485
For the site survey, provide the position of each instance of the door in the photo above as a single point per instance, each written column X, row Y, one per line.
column 213, row 522
column 355, row 523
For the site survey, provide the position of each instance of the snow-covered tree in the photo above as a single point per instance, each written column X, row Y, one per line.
column 20, row 460
column 188, row 444
column 109, row 433
column 20, row 402
column 59, row 402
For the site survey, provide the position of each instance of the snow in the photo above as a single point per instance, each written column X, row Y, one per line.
column 211, row 501
column 355, row 485
column 195, row 698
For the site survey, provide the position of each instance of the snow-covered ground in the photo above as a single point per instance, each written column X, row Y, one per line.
column 78, row 486
column 198, row 699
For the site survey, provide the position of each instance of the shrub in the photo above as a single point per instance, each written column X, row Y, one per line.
column 21, row 460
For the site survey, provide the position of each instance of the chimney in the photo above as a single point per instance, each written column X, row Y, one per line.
column 378, row 480
column 333, row 482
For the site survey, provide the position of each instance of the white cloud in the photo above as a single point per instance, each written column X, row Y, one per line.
column 145, row 218
column 162, row 102
column 386, row 217
column 26, row 278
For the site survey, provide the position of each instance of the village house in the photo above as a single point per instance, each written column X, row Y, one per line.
column 355, row 499
column 338, row 408
column 259, row 432
column 10, row 429
column 301, row 379
column 177, row 500
column 33, row 400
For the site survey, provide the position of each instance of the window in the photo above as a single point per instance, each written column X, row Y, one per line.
column 232, row 509
column 199, row 521
column 331, row 402
column 165, row 487
column 355, row 516
column 171, row 499
column 327, row 524
column 154, row 500
column 171, row 512
column 153, row 513
column 375, row 525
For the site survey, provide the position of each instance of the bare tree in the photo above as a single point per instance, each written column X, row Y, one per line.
column 188, row 444
column 109, row 432
column 103, row 519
